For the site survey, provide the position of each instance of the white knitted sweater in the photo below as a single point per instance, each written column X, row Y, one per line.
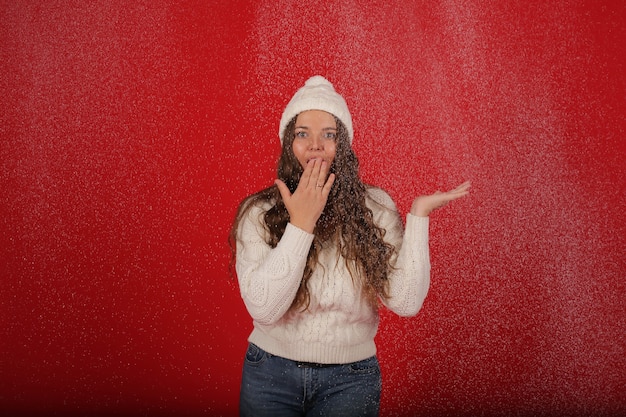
column 339, row 326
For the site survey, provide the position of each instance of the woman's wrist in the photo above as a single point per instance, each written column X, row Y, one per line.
column 418, row 209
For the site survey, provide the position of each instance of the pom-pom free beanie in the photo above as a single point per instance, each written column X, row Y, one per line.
column 317, row 94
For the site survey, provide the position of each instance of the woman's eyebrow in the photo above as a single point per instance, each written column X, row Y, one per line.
column 324, row 128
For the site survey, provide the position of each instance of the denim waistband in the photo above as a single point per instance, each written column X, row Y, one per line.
column 315, row 365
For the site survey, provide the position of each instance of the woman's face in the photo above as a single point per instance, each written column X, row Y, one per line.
column 315, row 137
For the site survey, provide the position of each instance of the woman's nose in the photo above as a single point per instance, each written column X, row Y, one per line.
column 316, row 142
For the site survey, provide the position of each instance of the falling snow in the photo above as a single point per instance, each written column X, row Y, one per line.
column 131, row 132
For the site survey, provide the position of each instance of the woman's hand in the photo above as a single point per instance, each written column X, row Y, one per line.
column 306, row 204
column 423, row 205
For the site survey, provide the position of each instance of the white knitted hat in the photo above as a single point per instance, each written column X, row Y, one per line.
column 317, row 94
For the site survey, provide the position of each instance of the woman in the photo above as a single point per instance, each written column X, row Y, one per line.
column 315, row 253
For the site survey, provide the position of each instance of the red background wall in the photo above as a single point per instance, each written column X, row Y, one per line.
column 131, row 130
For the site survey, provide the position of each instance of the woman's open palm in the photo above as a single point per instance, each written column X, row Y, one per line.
column 423, row 205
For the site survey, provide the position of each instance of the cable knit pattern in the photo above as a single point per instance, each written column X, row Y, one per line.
column 339, row 326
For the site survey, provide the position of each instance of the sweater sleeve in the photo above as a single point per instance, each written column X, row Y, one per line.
column 269, row 278
column 409, row 279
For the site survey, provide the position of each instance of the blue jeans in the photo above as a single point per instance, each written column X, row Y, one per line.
column 277, row 387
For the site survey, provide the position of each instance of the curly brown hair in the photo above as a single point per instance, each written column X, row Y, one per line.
column 346, row 220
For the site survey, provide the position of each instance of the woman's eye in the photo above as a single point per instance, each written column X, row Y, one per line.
column 331, row 135
column 301, row 134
